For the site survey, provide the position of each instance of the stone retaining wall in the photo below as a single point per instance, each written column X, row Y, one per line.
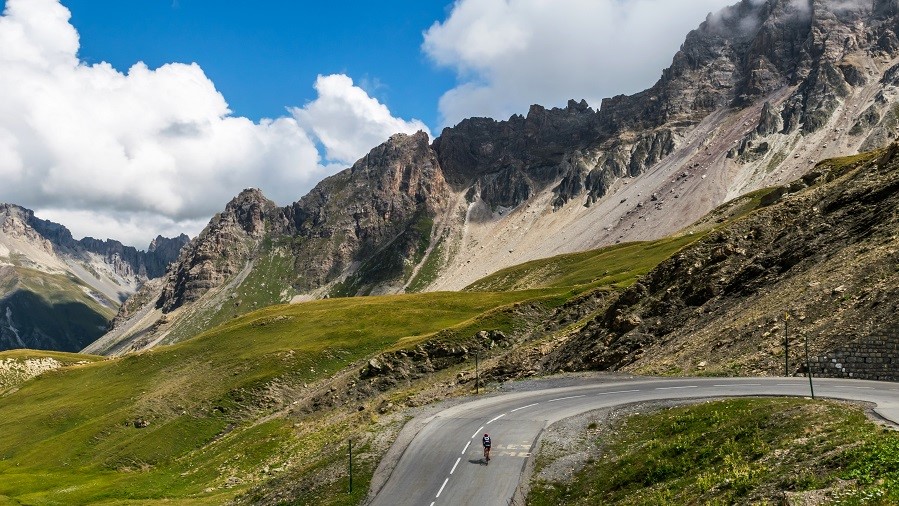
column 875, row 357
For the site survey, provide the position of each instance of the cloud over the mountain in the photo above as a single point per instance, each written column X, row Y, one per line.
column 127, row 153
column 509, row 54
column 347, row 121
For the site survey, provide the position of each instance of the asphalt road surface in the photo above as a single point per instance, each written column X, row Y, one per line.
column 443, row 465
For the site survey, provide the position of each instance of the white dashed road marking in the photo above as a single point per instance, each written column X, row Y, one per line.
column 441, row 487
column 528, row 406
column 477, row 432
column 456, row 464
column 676, row 388
column 466, row 447
column 495, row 419
column 566, row 398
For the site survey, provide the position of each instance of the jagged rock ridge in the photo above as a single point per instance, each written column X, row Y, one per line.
column 755, row 96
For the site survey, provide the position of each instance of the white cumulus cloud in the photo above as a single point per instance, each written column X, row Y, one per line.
column 347, row 121
column 509, row 54
column 128, row 155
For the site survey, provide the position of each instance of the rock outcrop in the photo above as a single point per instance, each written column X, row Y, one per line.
column 220, row 251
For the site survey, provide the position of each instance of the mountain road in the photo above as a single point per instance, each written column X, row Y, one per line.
column 443, row 464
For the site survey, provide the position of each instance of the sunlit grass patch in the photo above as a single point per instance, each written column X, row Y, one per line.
column 738, row 451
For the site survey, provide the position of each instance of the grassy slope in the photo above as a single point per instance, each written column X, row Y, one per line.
column 69, row 435
column 742, row 451
column 617, row 266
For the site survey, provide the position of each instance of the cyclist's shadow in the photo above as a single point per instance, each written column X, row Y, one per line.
column 479, row 461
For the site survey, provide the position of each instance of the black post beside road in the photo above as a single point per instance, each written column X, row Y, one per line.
column 808, row 368
column 350, row 447
column 476, row 375
column 786, row 347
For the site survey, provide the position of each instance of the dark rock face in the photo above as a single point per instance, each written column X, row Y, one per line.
column 479, row 147
column 380, row 213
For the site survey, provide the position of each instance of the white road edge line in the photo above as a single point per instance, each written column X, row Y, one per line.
column 495, row 419
column 566, row 398
column 476, row 433
column 676, row 388
column 441, row 487
column 456, row 464
column 528, row 406
column 466, row 447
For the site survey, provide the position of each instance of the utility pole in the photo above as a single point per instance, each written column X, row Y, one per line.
column 786, row 346
column 350, row 447
column 808, row 368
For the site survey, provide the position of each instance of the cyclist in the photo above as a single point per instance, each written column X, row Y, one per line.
column 486, row 442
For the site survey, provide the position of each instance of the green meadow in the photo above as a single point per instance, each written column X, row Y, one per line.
column 77, row 434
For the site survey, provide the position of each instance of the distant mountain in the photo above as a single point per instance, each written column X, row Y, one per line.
column 57, row 293
column 756, row 95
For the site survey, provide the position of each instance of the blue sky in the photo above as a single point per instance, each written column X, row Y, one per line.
column 128, row 119
column 264, row 56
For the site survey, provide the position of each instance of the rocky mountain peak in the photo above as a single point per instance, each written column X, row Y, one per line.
column 248, row 210
column 14, row 219
column 16, row 222
column 399, row 173
column 219, row 252
column 86, row 280
column 161, row 243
